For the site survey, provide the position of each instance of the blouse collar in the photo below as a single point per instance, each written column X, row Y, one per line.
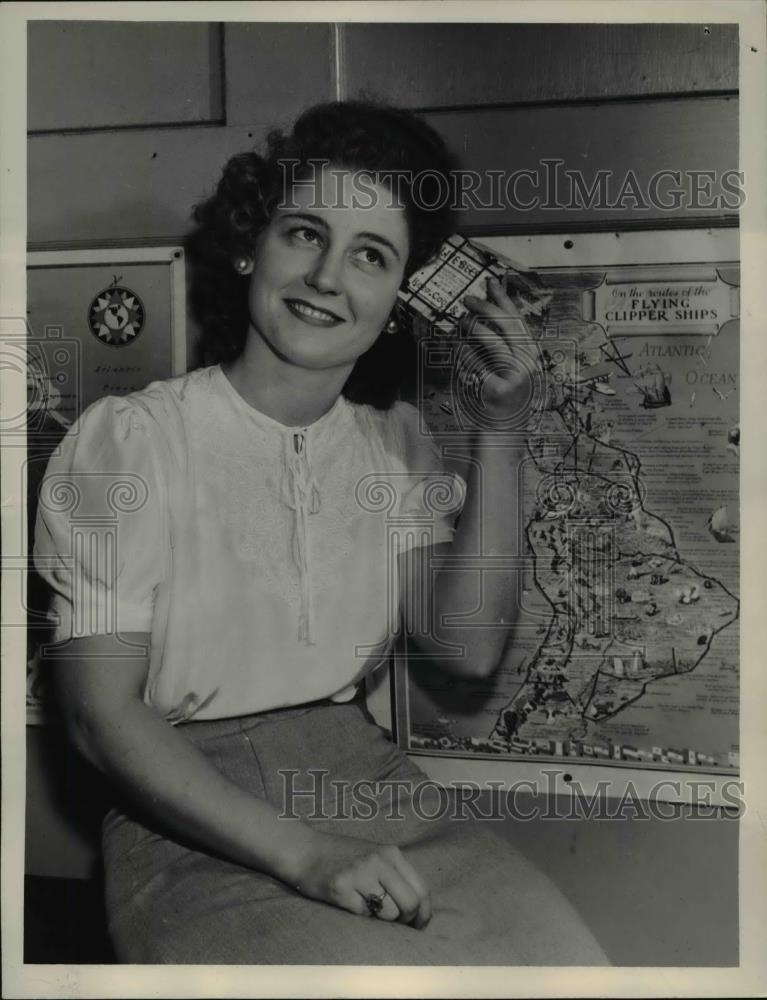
column 269, row 423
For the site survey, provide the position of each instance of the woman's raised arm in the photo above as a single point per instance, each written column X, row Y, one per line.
column 488, row 528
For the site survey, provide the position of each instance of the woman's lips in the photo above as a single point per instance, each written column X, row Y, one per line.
column 313, row 315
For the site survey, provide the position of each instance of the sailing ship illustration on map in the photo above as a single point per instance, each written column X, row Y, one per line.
column 654, row 388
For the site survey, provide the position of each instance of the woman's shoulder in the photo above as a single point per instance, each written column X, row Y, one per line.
column 176, row 393
column 153, row 418
column 398, row 435
column 152, row 407
column 399, row 418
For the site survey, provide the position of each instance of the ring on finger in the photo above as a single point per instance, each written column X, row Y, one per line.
column 374, row 902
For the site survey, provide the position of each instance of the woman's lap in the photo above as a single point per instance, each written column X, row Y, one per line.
column 168, row 903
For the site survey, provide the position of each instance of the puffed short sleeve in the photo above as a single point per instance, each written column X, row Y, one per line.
column 101, row 536
column 431, row 496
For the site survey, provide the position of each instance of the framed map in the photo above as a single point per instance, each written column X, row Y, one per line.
column 625, row 660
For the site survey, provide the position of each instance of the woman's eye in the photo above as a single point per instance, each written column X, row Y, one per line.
column 305, row 234
column 372, row 256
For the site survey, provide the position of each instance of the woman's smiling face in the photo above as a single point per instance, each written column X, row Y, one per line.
column 326, row 271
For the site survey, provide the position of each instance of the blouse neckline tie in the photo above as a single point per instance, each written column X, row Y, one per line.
column 301, row 493
column 299, row 489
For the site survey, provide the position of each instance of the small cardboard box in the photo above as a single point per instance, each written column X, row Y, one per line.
column 433, row 298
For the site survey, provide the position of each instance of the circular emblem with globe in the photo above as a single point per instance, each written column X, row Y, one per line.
column 116, row 316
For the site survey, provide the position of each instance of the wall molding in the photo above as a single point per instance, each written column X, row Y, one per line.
column 339, row 61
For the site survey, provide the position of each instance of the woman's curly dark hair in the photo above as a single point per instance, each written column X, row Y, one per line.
column 382, row 141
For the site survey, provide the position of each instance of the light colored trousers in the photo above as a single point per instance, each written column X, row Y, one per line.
column 169, row 903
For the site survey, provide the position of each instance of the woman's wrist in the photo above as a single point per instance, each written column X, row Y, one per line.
column 298, row 845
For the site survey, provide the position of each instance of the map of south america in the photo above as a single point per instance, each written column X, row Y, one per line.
column 626, row 609
column 626, row 639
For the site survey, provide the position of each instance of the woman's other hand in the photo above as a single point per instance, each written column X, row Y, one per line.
column 345, row 872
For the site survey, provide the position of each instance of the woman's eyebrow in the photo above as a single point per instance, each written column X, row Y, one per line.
column 379, row 239
column 317, row 220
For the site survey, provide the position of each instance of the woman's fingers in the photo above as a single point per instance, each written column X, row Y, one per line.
column 400, row 901
column 368, row 881
column 417, row 884
column 486, row 370
column 498, row 311
column 498, row 296
column 406, row 896
column 495, row 328
column 384, row 903
column 483, row 347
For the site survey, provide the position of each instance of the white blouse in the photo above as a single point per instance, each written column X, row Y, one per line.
column 260, row 557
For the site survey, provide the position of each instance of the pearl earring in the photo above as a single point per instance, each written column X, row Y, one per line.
column 392, row 326
column 241, row 265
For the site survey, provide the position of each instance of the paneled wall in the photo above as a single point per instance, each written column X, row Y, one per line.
column 475, row 65
column 123, row 74
column 131, row 123
column 131, row 180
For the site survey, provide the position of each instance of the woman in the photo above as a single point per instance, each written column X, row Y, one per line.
column 213, row 670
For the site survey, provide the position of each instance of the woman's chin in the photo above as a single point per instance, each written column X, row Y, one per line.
column 316, row 351
column 317, row 360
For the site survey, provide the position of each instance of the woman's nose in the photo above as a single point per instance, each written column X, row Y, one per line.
column 325, row 275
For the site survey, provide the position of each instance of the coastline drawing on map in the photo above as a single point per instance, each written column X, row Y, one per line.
column 626, row 608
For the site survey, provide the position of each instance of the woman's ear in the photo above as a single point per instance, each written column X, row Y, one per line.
column 243, row 265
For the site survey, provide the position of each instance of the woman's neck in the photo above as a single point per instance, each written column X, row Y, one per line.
column 290, row 395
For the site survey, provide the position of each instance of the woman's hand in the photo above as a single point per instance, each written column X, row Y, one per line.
column 345, row 871
column 497, row 360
